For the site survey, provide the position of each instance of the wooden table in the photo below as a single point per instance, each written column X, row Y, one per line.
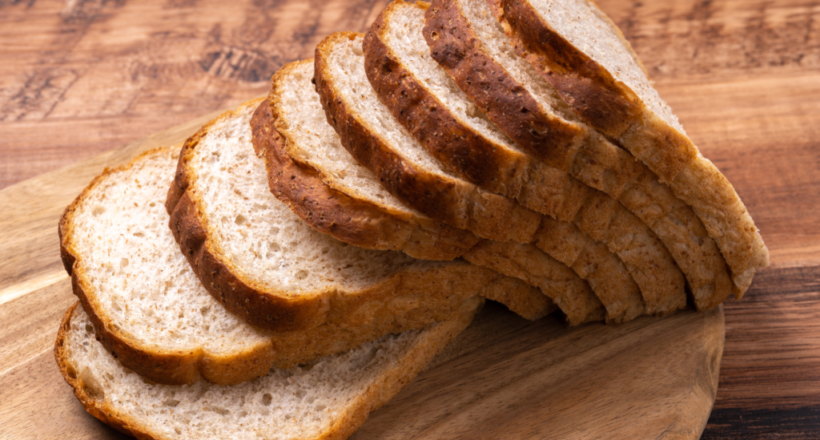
column 78, row 78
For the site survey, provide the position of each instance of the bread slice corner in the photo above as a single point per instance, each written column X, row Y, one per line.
column 327, row 399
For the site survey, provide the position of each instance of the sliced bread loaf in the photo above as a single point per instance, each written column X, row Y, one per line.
column 264, row 264
column 377, row 141
column 467, row 40
column 302, row 189
column 578, row 49
column 152, row 313
column 310, row 170
column 423, row 98
column 327, row 399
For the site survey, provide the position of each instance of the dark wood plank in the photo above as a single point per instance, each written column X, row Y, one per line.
column 82, row 77
column 720, row 39
column 781, row 424
column 772, row 354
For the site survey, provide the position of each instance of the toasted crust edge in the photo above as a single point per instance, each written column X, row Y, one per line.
column 586, row 86
column 99, row 410
column 448, row 200
column 319, row 198
column 272, row 310
column 461, row 149
column 457, row 48
column 170, row 367
column 301, row 177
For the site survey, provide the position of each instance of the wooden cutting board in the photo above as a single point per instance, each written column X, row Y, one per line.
column 503, row 378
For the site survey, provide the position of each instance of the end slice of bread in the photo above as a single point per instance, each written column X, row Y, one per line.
column 148, row 307
column 327, row 399
column 424, row 99
column 467, row 40
column 578, row 49
column 263, row 263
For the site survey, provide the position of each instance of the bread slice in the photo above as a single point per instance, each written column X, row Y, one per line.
column 147, row 305
column 423, row 98
column 265, row 265
column 578, row 49
column 467, row 40
column 310, row 170
column 327, row 399
column 377, row 141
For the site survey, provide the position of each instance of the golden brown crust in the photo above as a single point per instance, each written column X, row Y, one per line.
column 270, row 310
column 302, row 187
column 333, row 212
column 163, row 366
column 517, row 175
column 613, row 108
column 296, row 180
column 457, row 48
column 584, row 84
column 593, row 93
column 508, row 291
column 462, row 150
column 367, row 316
column 450, row 200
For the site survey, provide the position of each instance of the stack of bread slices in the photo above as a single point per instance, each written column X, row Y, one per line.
column 303, row 257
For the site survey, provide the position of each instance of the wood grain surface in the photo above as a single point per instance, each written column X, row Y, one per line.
column 80, row 77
